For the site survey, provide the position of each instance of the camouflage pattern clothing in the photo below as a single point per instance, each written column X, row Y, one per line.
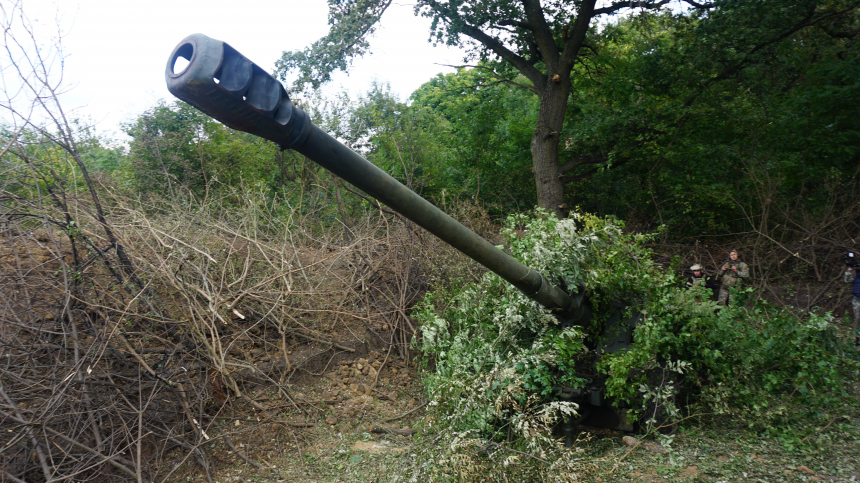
column 704, row 280
column 851, row 276
column 731, row 278
column 855, row 304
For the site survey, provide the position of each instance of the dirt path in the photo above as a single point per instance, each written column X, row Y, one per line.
column 337, row 441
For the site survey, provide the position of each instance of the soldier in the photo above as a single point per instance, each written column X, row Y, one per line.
column 853, row 276
column 699, row 278
column 731, row 273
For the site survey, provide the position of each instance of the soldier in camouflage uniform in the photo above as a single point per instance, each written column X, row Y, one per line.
column 731, row 273
column 852, row 276
column 699, row 278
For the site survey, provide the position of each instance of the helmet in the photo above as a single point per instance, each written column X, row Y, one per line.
column 696, row 267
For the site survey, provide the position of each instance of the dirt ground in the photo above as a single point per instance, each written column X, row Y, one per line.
column 349, row 434
column 361, row 409
column 353, row 421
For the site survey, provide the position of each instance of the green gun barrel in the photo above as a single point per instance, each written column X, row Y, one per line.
column 224, row 84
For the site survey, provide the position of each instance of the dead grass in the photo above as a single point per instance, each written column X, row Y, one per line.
column 196, row 358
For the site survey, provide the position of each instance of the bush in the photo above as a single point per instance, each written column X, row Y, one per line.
column 497, row 356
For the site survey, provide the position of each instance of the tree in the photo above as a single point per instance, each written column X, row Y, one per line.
column 549, row 43
column 486, row 136
column 718, row 157
column 541, row 41
column 399, row 139
column 175, row 144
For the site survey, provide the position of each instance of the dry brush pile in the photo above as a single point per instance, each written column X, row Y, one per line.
column 133, row 331
column 122, row 352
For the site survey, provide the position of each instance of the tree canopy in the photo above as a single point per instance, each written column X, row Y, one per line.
column 549, row 47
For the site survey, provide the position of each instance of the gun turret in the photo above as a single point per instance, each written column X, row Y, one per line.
column 224, row 84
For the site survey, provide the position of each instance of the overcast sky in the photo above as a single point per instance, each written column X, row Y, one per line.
column 116, row 50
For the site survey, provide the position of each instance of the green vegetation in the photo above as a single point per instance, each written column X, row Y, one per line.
column 484, row 136
column 497, row 356
column 555, row 52
column 179, row 148
column 647, row 142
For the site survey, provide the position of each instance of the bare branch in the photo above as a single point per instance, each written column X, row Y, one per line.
column 527, row 68
column 500, row 79
column 647, row 5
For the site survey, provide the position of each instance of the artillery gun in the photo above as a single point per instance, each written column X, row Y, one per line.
column 224, row 84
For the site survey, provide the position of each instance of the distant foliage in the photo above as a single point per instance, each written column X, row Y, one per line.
column 713, row 127
column 176, row 147
column 487, row 128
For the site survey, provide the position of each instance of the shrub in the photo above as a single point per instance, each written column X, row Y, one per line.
column 497, row 357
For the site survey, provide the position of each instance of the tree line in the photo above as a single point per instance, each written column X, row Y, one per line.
column 734, row 119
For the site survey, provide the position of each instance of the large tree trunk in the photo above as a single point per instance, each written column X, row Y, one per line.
column 553, row 103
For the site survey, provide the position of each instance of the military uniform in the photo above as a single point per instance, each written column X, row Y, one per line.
column 730, row 278
column 852, row 276
column 705, row 280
